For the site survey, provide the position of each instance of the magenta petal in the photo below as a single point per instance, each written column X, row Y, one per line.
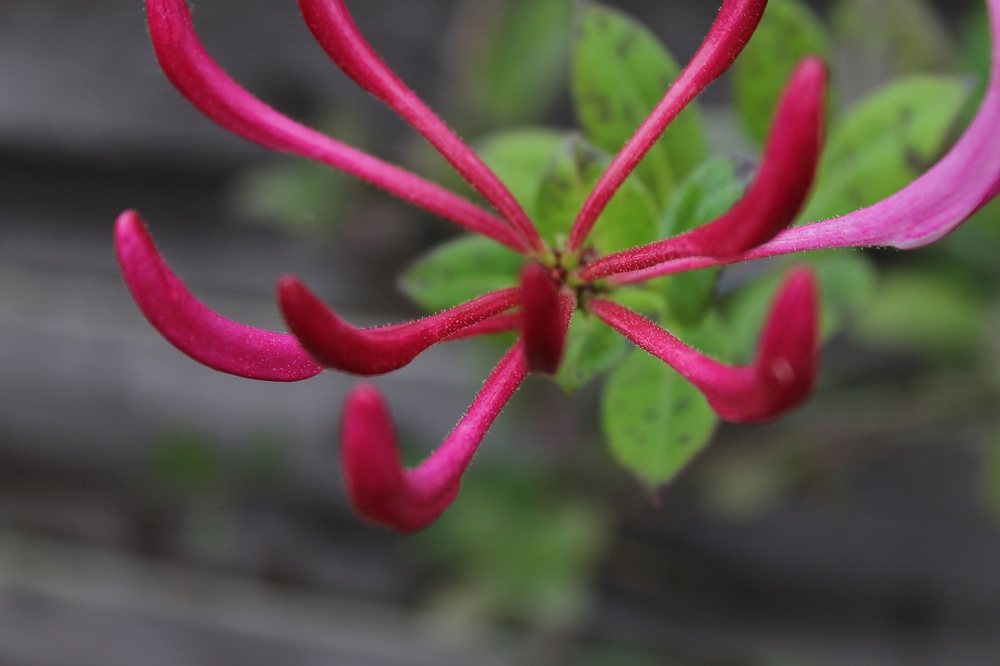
column 544, row 320
column 732, row 29
column 378, row 486
column 337, row 344
column 503, row 323
column 196, row 330
column 774, row 198
column 337, row 33
column 201, row 80
column 930, row 207
column 781, row 376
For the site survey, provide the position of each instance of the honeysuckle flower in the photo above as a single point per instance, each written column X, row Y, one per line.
column 556, row 281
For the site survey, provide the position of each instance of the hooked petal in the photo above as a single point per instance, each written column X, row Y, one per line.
column 189, row 325
column 378, row 486
column 544, row 319
column 337, row 344
column 772, row 201
column 930, row 207
column 200, row 79
column 733, row 27
column 335, row 30
column 780, row 377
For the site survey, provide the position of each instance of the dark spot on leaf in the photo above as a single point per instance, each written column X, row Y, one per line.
column 627, row 41
column 906, row 115
column 914, row 160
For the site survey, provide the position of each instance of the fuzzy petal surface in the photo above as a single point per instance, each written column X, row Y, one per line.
column 774, row 198
column 204, row 83
column 380, row 489
column 335, row 30
column 193, row 328
column 735, row 24
column 336, row 344
column 782, row 374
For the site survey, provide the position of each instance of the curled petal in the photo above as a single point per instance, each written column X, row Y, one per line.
column 337, row 33
column 201, row 80
column 337, row 344
column 930, row 207
column 378, row 486
column 544, row 319
column 193, row 328
column 780, row 377
column 732, row 29
column 774, row 198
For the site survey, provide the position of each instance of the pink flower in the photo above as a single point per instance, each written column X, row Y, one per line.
column 555, row 281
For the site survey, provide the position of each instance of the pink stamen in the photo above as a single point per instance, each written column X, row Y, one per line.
column 378, row 486
column 773, row 200
column 193, row 328
column 781, row 376
column 201, row 80
column 337, row 33
column 732, row 29
column 337, row 344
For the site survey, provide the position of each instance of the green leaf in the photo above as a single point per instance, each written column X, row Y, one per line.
column 846, row 288
column 629, row 219
column 520, row 158
column 620, row 73
column 522, row 58
column 924, row 314
column 647, row 302
column 591, row 348
column 708, row 192
column 460, row 270
column 886, row 142
column 655, row 421
column 788, row 31
column 888, row 38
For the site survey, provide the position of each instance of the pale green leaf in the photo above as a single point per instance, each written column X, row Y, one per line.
column 620, row 73
column 591, row 348
column 886, row 142
column 655, row 421
column 788, row 31
column 460, row 270
column 629, row 220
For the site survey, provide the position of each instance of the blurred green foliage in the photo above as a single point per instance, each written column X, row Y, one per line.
column 521, row 549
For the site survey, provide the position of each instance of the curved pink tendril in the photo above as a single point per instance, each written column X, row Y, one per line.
column 201, row 80
column 189, row 325
column 730, row 32
column 378, row 486
column 774, row 198
column 335, row 30
column 337, row 344
column 780, row 377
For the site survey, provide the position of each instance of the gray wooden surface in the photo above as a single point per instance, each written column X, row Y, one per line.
column 897, row 566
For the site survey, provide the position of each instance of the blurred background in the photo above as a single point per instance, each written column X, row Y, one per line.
column 153, row 511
